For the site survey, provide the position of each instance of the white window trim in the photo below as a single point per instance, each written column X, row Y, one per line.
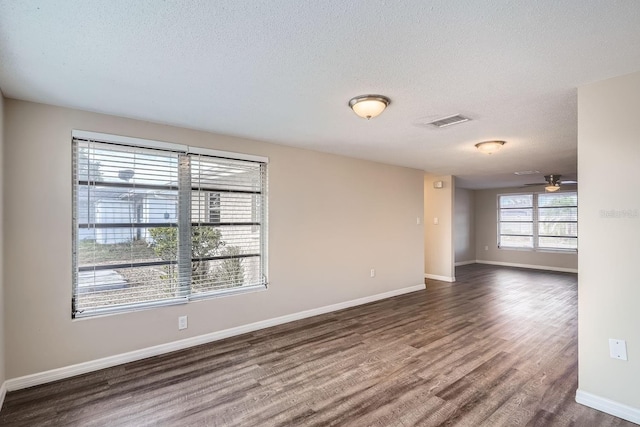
column 150, row 143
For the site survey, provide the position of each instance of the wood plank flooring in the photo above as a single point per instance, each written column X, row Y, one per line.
column 496, row 348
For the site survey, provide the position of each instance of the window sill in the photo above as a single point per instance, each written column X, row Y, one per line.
column 541, row 250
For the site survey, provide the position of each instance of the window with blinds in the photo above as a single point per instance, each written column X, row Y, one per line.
column 515, row 227
column 158, row 224
column 546, row 221
column 558, row 221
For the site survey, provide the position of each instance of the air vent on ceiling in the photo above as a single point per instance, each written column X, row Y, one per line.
column 449, row 121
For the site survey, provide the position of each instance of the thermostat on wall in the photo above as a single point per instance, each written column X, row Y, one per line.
column 438, row 184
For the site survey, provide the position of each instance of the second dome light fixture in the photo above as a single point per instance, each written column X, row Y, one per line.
column 369, row 106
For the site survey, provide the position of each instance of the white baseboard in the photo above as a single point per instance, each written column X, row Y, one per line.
column 609, row 406
column 3, row 393
column 132, row 356
column 441, row 278
column 535, row 267
column 458, row 264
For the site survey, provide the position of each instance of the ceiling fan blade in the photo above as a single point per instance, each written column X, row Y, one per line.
column 568, row 182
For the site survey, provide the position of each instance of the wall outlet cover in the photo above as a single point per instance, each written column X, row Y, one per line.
column 182, row 322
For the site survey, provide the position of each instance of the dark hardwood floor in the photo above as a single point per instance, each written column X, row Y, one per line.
column 496, row 348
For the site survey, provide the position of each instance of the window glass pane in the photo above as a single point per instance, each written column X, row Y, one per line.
column 212, row 173
column 118, row 164
column 516, row 242
column 557, row 199
column 232, row 257
column 520, row 228
column 516, row 201
column 100, row 289
column 516, row 214
column 112, row 246
column 559, row 242
column 558, row 229
column 558, row 214
column 229, row 272
column 122, row 196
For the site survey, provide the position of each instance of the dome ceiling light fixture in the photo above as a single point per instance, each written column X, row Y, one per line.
column 369, row 106
column 489, row 147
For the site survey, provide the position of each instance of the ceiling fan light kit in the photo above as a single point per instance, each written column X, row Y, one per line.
column 552, row 182
column 369, row 106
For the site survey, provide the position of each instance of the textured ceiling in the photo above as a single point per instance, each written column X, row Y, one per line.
column 283, row 71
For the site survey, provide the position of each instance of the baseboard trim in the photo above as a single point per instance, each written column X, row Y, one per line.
column 608, row 406
column 535, row 267
column 458, row 264
column 441, row 278
column 3, row 393
column 132, row 356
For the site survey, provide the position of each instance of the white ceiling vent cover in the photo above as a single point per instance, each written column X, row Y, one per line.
column 449, row 121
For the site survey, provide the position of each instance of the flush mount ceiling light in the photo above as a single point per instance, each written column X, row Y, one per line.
column 489, row 147
column 368, row 106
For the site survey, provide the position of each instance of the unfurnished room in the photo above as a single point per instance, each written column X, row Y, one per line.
column 329, row 213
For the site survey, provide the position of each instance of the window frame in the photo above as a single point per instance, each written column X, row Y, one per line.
column 535, row 221
column 184, row 293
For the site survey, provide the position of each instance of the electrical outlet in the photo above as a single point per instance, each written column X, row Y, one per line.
column 373, row 272
column 182, row 322
column 618, row 349
column 436, row 221
column 417, row 220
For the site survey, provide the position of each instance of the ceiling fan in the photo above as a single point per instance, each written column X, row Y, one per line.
column 552, row 182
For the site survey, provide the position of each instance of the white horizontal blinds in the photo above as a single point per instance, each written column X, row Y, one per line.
column 515, row 226
column 125, row 227
column 226, row 224
column 558, row 220
column 155, row 226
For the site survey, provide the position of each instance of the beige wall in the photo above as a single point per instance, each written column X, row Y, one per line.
column 331, row 220
column 609, row 288
column 487, row 232
column 2, row 169
column 438, row 238
column 464, row 225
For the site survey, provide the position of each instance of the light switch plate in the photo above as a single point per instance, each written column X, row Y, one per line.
column 618, row 349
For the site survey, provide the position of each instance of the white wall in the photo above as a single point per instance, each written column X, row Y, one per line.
column 331, row 220
column 2, row 310
column 464, row 225
column 438, row 238
column 487, row 236
column 609, row 233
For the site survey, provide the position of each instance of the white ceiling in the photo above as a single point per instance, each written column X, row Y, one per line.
column 283, row 71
